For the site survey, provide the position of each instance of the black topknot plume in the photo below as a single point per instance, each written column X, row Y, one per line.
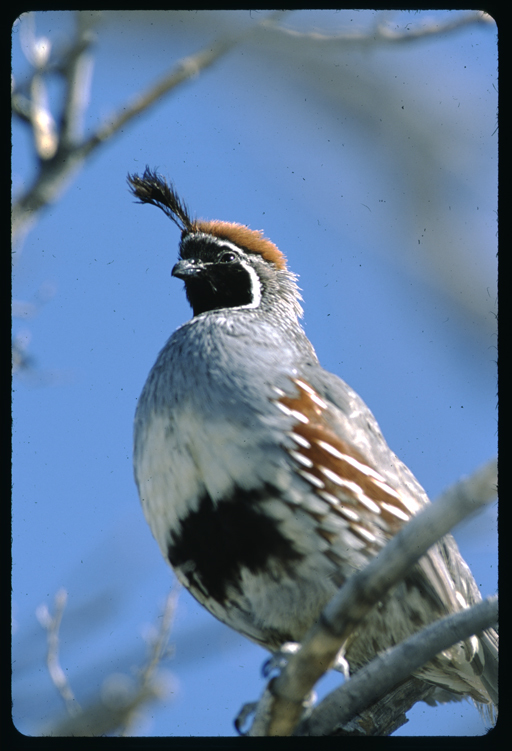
column 153, row 188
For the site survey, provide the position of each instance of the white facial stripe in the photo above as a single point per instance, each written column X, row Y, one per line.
column 255, row 287
column 224, row 244
column 255, row 281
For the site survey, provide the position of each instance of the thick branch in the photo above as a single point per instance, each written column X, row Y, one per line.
column 365, row 588
column 392, row 667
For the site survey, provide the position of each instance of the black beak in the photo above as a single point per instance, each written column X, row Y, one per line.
column 187, row 269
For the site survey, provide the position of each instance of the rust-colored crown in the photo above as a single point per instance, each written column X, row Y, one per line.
column 152, row 188
column 250, row 239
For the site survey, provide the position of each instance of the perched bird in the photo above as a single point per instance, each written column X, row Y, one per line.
column 265, row 479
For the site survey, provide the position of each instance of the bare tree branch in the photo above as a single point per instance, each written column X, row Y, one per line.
column 77, row 73
column 122, row 697
column 184, row 70
column 70, row 150
column 395, row 665
column 365, row 588
column 62, row 153
column 57, row 675
column 158, row 651
column 384, row 34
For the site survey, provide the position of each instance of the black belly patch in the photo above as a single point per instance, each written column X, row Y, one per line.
column 219, row 540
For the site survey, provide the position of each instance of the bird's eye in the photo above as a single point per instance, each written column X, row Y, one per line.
column 227, row 257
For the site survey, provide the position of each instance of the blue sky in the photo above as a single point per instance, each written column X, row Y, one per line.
column 374, row 169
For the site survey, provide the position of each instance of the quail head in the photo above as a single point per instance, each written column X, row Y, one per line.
column 265, row 479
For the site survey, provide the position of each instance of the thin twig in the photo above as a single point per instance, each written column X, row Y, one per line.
column 122, row 698
column 383, row 34
column 159, row 648
column 57, row 675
